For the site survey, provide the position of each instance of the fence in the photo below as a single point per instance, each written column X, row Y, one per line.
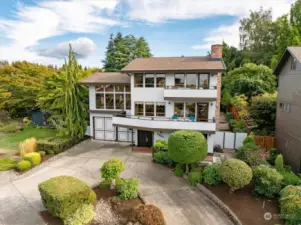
column 229, row 140
column 233, row 110
column 265, row 142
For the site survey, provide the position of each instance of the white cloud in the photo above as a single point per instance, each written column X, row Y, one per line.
column 84, row 47
column 50, row 18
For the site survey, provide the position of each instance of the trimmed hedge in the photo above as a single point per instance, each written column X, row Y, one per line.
column 42, row 153
column 83, row 215
column 127, row 189
column 34, row 158
column 235, row 173
column 64, row 195
column 55, row 144
column 7, row 164
column 179, row 170
column 23, row 165
column 194, row 178
column 186, row 146
column 290, row 204
column 111, row 169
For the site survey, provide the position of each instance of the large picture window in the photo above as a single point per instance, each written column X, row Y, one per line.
column 119, row 99
column 109, row 101
column 203, row 81
column 179, row 80
column 149, row 109
column 100, row 101
column 119, row 88
column 138, row 80
column 149, row 80
column 127, row 88
column 179, row 109
column 99, row 88
column 109, row 88
column 160, row 80
column 191, row 81
column 139, row 109
column 160, row 109
column 190, row 110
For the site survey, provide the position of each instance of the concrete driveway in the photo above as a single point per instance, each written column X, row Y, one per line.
column 180, row 203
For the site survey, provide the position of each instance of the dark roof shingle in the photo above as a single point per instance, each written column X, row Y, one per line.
column 157, row 64
column 106, row 78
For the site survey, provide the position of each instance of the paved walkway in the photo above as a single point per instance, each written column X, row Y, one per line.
column 181, row 204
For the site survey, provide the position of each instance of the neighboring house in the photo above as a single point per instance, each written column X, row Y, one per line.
column 140, row 102
column 288, row 120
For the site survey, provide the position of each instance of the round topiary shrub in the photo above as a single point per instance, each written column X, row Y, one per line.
column 236, row 173
column 290, row 204
column 111, row 169
column 34, row 158
column 211, row 174
column 187, row 146
column 23, row 165
column 148, row 215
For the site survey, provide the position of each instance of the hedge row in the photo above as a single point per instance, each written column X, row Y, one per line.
column 55, row 144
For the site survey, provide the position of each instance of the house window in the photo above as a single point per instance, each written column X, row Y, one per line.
column 190, row 110
column 149, row 80
column 109, row 88
column 109, row 101
column 203, row 81
column 179, row 80
column 138, row 108
column 138, row 80
column 160, row 80
column 119, row 88
column 293, row 63
column 179, row 108
column 160, row 109
column 149, row 109
column 128, row 101
column 127, row 88
column 99, row 88
column 100, row 101
column 119, row 98
column 285, row 107
column 191, row 81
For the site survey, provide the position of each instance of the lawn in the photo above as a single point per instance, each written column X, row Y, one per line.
column 11, row 141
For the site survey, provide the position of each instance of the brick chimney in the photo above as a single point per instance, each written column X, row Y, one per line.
column 216, row 52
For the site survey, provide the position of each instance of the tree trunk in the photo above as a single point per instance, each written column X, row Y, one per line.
column 187, row 169
column 113, row 184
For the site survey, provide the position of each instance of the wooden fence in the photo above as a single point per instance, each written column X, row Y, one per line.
column 265, row 142
column 233, row 110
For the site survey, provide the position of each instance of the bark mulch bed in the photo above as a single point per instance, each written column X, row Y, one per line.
column 123, row 209
column 247, row 207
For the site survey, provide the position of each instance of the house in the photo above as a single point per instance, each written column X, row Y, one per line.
column 152, row 97
column 288, row 119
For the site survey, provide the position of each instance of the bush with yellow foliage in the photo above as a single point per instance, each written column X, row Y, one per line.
column 28, row 146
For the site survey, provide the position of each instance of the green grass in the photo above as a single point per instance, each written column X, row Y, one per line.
column 11, row 141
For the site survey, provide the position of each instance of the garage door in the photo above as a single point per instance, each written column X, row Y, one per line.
column 104, row 130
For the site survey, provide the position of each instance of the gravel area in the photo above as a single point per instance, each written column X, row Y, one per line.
column 104, row 214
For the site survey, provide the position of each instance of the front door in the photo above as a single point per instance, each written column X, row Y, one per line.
column 145, row 138
column 202, row 112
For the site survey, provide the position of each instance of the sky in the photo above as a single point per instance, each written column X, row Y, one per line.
column 39, row 31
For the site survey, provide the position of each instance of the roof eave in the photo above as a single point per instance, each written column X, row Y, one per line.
column 172, row 70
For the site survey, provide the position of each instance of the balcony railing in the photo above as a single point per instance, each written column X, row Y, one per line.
column 190, row 87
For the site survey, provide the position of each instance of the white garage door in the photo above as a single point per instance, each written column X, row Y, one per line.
column 104, row 130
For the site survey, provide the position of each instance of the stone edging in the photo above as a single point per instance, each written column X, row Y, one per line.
column 13, row 175
column 232, row 216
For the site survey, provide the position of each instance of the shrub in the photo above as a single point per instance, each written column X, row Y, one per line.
column 7, row 164
column 230, row 116
column 236, row 173
column 187, row 146
column 194, row 178
column 148, row 215
column 111, row 169
column 10, row 128
column 289, row 178
column 162, row 158
column 279, row 163
column 267, row 181
column 249, row 140
column 28, row 146
column 34, row 158
column 179, row 170
column 251, row 154
column 238, row 126
column 23, row 165
column 50, row 152
column 42, row 153
column 197, row 169
column 272, row 156
column 290, row 204
column 161, row 145
column 211, row 174
column 83, row 215
column 127, row 189
column 241, row 104
column 57, row 145
column 64, row 195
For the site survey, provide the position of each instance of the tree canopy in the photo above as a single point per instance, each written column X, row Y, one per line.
column 122, row 50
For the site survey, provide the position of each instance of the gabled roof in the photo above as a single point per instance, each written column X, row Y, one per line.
column 295, row 51
column 175, row 64
column 106, row 78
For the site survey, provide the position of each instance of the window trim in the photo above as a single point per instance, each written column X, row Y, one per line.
column 197, row 86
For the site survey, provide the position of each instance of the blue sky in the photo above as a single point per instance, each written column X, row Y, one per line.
column 40, row 30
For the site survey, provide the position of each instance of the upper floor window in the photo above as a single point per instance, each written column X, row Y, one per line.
column 127, row 88
column 179, row 108
column 191, row 81
column 160, row 80
column 160, row 109
column 138, row 80
column 149, row 109
column 179, row 80
column 100, row 101
column 285, row 107
column 149, row 80
column 203, row 81
column 139, row 108
column 119, row 88
column 109, row 88
column 99, row 88
column 293, row 63
column 119, row 101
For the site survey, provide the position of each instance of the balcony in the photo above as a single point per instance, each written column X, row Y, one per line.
column 163, row 123
column 181, row 93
